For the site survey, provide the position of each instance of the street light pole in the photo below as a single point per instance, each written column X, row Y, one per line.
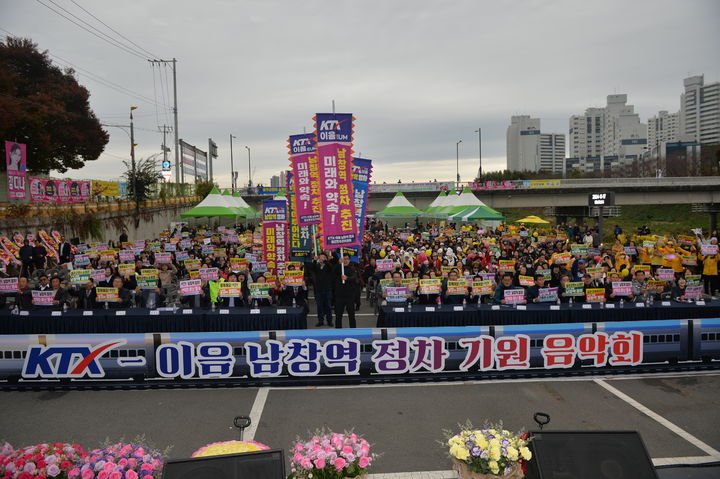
column 457, row 160
column 232, row 167
column 249, row 172
column 479, row 132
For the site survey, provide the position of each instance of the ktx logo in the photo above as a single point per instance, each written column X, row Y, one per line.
column 67, row 360
column 331, row 124
column 302, row 142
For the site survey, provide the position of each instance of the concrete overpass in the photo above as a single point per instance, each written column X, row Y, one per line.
column 563, row 197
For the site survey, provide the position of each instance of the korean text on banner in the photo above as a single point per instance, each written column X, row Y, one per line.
column 191, row 287
column 307, row 200
column 16, row 162
column 275, row 237
column 334, row 151
column 300, row 237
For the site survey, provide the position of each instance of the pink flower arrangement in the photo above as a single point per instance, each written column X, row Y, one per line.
column 41, row 461
column 329, row 455
column 119, row 461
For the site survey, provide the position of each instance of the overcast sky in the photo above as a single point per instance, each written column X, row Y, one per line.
column 418, row 75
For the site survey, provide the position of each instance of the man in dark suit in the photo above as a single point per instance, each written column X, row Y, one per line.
column 86, row 297
column 346, row 280
column 64, row 251
column 323, row 278
column 149, row 298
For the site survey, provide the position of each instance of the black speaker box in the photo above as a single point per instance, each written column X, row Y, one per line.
column 250, row 465
column 589, row 455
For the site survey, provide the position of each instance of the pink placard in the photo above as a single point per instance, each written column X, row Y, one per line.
column 191, row 287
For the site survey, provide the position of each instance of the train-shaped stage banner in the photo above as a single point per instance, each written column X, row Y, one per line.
column 355, row 352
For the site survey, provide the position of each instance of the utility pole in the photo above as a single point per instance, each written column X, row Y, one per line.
column 479, row 132
column 179, row 174
column 132, row 159
column 249, row 172
column 232, row 167
column 457, row 162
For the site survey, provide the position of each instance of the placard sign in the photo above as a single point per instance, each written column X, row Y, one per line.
column 621, row 288
column 43, row 298
column 191, row 287
column 514, row 296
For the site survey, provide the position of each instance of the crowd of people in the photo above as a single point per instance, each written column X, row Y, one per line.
column 420, row 263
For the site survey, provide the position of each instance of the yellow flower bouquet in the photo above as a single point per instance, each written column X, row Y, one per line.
column 490, row 451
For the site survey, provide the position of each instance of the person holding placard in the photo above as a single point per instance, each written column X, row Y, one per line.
column 450, row 294
column 293, row 295
column 426, row 297
column 201, row 300
column 266, row 301
column 532, row 293
column 710, row 277
column 505, row 283
column 243, row 299
column 123, row 293
column 610, row 295
column 149, row 298
column 397, row 278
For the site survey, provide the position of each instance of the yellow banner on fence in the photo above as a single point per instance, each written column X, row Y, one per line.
column 105, row 188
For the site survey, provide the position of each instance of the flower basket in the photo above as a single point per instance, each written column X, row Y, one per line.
column 229, row 447
column 330, row 455
column 513, row 472
column 488, row 452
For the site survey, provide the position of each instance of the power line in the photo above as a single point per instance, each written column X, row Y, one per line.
column 112, row 29
column 103, row 81
column 108, row 40
column 166, row 99
column 110, row 84
column 157, row 117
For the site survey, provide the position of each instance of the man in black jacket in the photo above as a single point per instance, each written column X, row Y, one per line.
column 323, row 278
column 346, row 280
column 64, row 252
column 26, row 256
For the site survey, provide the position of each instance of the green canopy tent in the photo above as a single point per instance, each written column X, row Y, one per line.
column 244, row 208
column 457, row 203
column 214, row 205
column 477, row 213
column 399, row 207
column 242, row 204
column 437, row 203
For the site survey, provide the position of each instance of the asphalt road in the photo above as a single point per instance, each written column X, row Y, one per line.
column 404, row 422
